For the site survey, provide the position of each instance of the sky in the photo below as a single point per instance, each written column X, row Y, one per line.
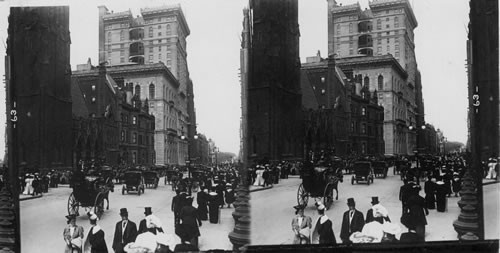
column 213, row 55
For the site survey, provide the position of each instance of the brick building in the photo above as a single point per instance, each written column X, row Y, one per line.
column 117, row 128
column 339, row 113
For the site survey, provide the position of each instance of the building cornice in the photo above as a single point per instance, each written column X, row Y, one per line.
column 343, row 63
column 143, row 69
column 382, row 4
column 124, row 15
column 346, row 9
column 167, row 9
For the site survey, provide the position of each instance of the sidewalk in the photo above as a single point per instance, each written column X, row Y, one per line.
column 490, row 181
column 51, row 190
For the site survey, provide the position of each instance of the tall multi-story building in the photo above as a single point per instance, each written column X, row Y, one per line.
column 376, row 47
column 153, row 46
column 274, row 99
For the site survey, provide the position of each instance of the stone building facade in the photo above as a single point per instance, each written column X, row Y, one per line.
column 274, row 98
column 379, row 34
column 38, row 81
column 340, row 114
column 154, row 40
column 114, row 127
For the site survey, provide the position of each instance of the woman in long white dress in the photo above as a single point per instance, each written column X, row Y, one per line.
column 259, row 180
column 28, row 189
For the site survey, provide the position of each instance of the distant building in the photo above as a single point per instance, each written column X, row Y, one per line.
column 376, row 47
column 340, row 115
column 117, row 128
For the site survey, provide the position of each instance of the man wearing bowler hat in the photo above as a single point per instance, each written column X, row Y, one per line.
column 150, row 223
column 125, row 232
column 370, row 217
column 353, row 221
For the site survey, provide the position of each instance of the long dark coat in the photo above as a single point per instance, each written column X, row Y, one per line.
column 430, row 194
column 97, row 242
column 325, row 232
column 417, row 211
column 190, row 221
column 202, row 200
column 441, row 197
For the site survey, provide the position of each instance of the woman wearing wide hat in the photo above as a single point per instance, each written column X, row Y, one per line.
column 73, row 235
column 301, row 226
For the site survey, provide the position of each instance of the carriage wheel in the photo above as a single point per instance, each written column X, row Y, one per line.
column 73, row 205
column 302, row 196
column 328, row 196
column 99, row 205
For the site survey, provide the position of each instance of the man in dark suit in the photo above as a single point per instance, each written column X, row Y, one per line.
column 190, row 221
column 143, row 224
column 417, row 212
column 405, row 193
column 370, row 217
column 176, row 206
column 353, row 221
column 125, row 232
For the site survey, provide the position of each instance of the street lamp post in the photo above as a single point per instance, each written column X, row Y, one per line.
column 416, row 150
column 183, row 137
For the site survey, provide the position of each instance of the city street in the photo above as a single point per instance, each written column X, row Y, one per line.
column 43, row 219
column 276, row 206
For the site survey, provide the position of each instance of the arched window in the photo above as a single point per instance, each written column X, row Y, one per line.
column 138, row 90
column 367, row 81
column 151, row 91
column 380, row 82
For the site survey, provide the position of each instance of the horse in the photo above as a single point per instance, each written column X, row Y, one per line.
column 334, row 179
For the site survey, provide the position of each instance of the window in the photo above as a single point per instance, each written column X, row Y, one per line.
column 169, row 31
column 387, row 26
column 322, row 79
column 122, row 52
column 134, row 157
column 159, row 20
column 350, row 27
column 151, row 43
column 122, row 35
column 138, row 90
column 151, row 91
column 352, row 127
column 134, row 120
column 379, row 50
column 387, row 12
column 122, row 136
column 151, row 32
column 159, row 34
column 396, row 54
column 396, row 47
column 150, row 58
column 396, row 22
column 93, row 87
column 122, row 60
column 169, row 63
column 159, row 26
column 379, row 24
column 380, row 82
column 93, row 99
column 323, row 91
column 363, row 128
column 159, row 41
column 351, row 52
column 159, row 57
column 338, row 29
column 109, row 37
column 379, row 34
column 159, row 48
column 367, row 81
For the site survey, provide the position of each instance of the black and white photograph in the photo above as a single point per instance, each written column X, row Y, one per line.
column 249, row 125
column 127, row 131
column 363, row 122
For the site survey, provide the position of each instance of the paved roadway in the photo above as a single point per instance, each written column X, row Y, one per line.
column 43, row 219
column 272, row 210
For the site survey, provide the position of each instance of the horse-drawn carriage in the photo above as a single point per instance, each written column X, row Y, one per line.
column 363, row 171
column 134, row 181
column 319, row 182
column 380, row 168
column 151, row 179
column 401, row 166
column 89, row 192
